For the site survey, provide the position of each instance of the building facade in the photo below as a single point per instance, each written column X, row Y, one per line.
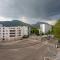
column 13, row 33
column 44, row 28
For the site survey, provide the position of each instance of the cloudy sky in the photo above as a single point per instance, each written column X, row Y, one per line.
column 30, row 11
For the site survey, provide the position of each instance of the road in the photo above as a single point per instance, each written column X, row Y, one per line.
column 58, row 54
column 25, row 50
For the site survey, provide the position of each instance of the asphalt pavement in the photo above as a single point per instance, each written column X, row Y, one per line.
column 29, row 49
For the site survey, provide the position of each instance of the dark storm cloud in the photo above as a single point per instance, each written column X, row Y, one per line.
column 53, row 7
column 29, row 8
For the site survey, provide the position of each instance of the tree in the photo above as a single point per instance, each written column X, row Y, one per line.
column 35, row 31
column 51, row 30
column 56, row 30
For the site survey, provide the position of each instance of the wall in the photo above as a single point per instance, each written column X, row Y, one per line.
column 45, row 28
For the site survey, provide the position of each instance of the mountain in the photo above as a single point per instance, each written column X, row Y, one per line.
column 13, row 23
column 20, row 23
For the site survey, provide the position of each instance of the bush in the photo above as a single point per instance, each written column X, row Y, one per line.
column 35, row 31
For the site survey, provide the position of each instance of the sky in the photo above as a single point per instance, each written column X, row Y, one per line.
column 30, row 11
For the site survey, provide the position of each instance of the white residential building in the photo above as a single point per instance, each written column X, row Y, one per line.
column 13, row 33
column 44, row 28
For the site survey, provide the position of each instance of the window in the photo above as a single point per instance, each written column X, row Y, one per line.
column 12, row 35
column 6, row 33
column 3, row 36
column 3, row 31
column 3, row 39
column 19, row 32
column 6, row 30
column 12, row 30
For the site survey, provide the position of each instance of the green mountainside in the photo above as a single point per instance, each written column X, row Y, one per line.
column 13, row 23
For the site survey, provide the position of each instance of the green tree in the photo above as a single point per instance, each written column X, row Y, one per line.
column 50, row 31
column 35, row 31
column 56, row 30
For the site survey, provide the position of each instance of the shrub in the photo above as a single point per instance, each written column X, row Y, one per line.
column 56, row 30
column 35, row 31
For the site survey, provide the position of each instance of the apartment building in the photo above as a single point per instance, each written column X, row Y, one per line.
column 13, row 33
column 44, row 28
